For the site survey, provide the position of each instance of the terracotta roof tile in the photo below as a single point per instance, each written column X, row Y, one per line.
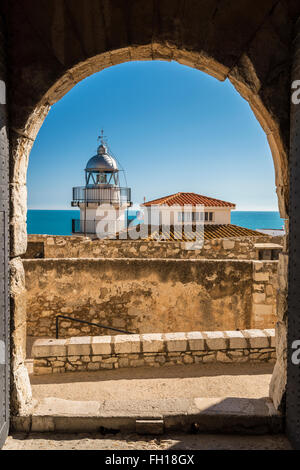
column 175, row 233
column 180, row 199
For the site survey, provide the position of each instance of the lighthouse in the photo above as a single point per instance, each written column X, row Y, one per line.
column 102, row 201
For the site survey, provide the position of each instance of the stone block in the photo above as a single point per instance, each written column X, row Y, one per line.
column 42, row 370
column 256, row 338
column 123, row 362
column 215, row 340
column 40, row 362
column 127, row 344
column 176, row 341
column 160, row 359
column 261, row 277
column 187, row 359
column 258, row 298
column 93, row 366
column 236, row 339
column 209, row 358
column 49, row 348
column 79, row 346
column 86, row 358
column 222, row 357
column 101, row 345
column 228, row 244
column 58, row 364
column 269, row 290
column 96, row 358
column 270, row 332
column 262, row 309
column 258, row 265
column 237, row 353
column 196, row 341
column 152, row 342
column 105, row 366
column 109, row 360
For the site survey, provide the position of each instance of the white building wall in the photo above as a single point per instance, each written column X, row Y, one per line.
column 169, row 214
column 112, row 221
column 221, row 215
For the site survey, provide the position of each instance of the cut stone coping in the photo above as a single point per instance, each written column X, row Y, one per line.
column 267, row 246
column 154, row 343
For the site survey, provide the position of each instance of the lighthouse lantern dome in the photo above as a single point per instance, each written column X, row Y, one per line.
column 103, row 161
column 102, row 168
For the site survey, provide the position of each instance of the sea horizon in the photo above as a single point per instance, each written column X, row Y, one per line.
column 59, row 221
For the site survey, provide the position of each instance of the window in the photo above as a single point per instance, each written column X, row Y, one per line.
column 184, row 216
column 190, row 216
column 195, row 216
column 208, row 216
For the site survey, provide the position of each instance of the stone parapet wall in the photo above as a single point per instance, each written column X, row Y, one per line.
column 143, row 296
column 51, row 246
column 152, row 350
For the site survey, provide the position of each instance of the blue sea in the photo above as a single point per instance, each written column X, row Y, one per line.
column 59, row 222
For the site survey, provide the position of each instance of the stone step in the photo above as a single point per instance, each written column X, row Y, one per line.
column 218, row 415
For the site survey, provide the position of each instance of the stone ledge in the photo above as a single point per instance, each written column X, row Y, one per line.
column 110, row 352
column 155, row 343
column 216, row 415
column 49, row 347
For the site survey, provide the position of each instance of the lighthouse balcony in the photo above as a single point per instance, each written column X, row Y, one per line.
column 114, row 195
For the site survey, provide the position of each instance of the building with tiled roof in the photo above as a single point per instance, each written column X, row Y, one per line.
column 189, row 207
column 178, row 233
column 193, row 199
column 175, row 217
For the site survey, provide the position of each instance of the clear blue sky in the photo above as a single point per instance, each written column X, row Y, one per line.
column 172, row 128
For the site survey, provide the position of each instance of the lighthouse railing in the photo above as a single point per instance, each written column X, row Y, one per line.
column 103, row 195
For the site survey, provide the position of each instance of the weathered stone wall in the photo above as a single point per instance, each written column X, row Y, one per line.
column 48, row 246
column 140, row 295
column 152, row 350
column 264, row 293
column 13, row 301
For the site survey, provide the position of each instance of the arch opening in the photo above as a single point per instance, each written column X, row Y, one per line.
column 22, row 142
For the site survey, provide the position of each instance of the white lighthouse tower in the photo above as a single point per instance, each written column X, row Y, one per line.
column 102, row 201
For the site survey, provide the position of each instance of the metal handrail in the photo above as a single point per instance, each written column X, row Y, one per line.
column 105, row 195
column 88, row 323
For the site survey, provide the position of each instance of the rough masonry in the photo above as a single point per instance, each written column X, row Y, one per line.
column 48, row 246
column 149, row 295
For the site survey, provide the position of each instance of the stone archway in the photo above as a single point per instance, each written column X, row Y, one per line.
column 249, row 45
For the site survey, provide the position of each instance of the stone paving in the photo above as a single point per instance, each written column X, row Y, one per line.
column 34, row 441
column 209, row 380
